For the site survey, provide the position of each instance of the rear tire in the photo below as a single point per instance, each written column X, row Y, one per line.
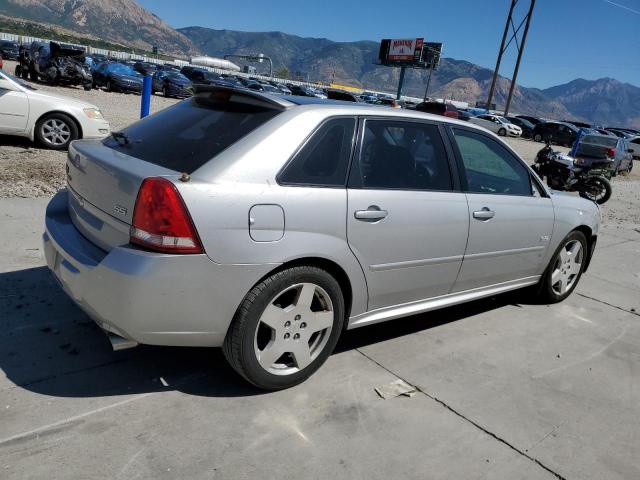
column 565, row 269
column 537, row 137
column 599, row 190
column 286, row 327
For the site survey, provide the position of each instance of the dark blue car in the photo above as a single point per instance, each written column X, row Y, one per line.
column 117, row 77
column 172, row 84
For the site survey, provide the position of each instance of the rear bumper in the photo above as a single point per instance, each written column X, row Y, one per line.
column 157, row 299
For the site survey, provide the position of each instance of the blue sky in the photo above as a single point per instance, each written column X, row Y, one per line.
column 568, row 39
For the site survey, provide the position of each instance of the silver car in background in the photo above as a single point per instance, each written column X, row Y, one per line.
column 268, row 225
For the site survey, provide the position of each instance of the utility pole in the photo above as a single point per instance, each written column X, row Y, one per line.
column 426, row 90
column 504, row 44
column 520, row 50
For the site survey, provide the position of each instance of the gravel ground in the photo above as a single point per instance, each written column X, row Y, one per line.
column 28, row 171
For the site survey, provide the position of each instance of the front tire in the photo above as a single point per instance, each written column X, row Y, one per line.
column 286, row 327
column 565, row 269
column 502, row 132
column 56, row 131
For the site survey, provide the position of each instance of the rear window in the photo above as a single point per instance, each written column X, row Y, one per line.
column 600, row 140
column 186, row 136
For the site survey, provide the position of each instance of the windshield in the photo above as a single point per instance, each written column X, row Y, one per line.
column 600, row 140
column 503, row 120
column 16, row 80
column 122, row 69
column 178, row 76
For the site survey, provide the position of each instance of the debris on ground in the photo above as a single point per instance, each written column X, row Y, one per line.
column 395, row 389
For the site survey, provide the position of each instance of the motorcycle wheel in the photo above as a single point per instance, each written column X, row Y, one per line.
column 24, row 73
column 18, row 71
column 596, row 189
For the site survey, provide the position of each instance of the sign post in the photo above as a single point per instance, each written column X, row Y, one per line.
column 145, row 98
column 400, row 82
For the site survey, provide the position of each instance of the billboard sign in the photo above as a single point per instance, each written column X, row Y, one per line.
column 405, row 50
column 431, row 54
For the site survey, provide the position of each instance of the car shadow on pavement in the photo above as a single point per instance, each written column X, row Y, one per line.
column 19, row 142
column 50, row 347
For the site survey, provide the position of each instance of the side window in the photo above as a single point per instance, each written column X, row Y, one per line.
column 489, row 167
column 636, row 141
column 401, row 155
column 324, row 158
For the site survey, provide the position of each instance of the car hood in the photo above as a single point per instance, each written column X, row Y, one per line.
column 182, row 83
column 54, row 97
column 118, row 76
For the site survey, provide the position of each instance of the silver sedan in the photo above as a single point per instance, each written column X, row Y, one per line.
column 268, row 225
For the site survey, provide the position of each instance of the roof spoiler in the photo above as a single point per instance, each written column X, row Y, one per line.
column 245, row 95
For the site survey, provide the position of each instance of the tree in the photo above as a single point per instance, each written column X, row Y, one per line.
column 282, row 73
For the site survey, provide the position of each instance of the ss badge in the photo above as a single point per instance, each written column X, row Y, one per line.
column 119, row 209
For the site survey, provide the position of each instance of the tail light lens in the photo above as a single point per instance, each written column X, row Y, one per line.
column 161, row 221
column 611, row 152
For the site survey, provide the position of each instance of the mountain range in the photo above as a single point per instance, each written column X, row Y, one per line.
column 604, row 101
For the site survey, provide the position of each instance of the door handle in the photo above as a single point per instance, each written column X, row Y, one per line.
column 371, row 214
column 484, row 214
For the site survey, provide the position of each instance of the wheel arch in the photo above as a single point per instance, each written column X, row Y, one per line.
column 591, row 242
column 61, row 112
column 329, row 266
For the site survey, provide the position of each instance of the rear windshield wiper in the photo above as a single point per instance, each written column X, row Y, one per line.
column 121, row 138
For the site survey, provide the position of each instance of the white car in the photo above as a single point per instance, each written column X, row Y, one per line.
column 497, row 124
column 52, row 120
column 634, row 145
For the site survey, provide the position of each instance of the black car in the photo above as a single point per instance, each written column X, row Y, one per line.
column 200, row 75
column 117, row 77
column 172, row 84
column 557, row 132
column 264, row 88
column 577, row 124
column 526, row 126
column 145, row 68
column 9, row 49
column 438, row 108
column 464, row 115
column 302, row 91
column 55, row 63
column 530, row 119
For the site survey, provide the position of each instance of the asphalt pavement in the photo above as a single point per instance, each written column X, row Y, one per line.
column 506, row 389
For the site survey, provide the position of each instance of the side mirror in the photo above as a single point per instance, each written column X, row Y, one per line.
column 630, row 150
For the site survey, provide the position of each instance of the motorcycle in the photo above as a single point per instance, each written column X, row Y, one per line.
column 563, row 172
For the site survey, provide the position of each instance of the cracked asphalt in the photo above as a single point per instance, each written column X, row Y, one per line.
column 507, row 389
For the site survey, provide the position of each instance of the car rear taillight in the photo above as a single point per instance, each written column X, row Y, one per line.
column 161, row 221
column 611, row 152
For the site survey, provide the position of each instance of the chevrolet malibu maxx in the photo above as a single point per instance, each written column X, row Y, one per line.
column 267, row 225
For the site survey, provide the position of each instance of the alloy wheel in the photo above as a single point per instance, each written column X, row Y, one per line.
column 567, row 267
column 293, row 329
column 55, row 132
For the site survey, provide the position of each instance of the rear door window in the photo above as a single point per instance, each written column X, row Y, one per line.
column 324, row 158
column 401, row 155
column 191, row 133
